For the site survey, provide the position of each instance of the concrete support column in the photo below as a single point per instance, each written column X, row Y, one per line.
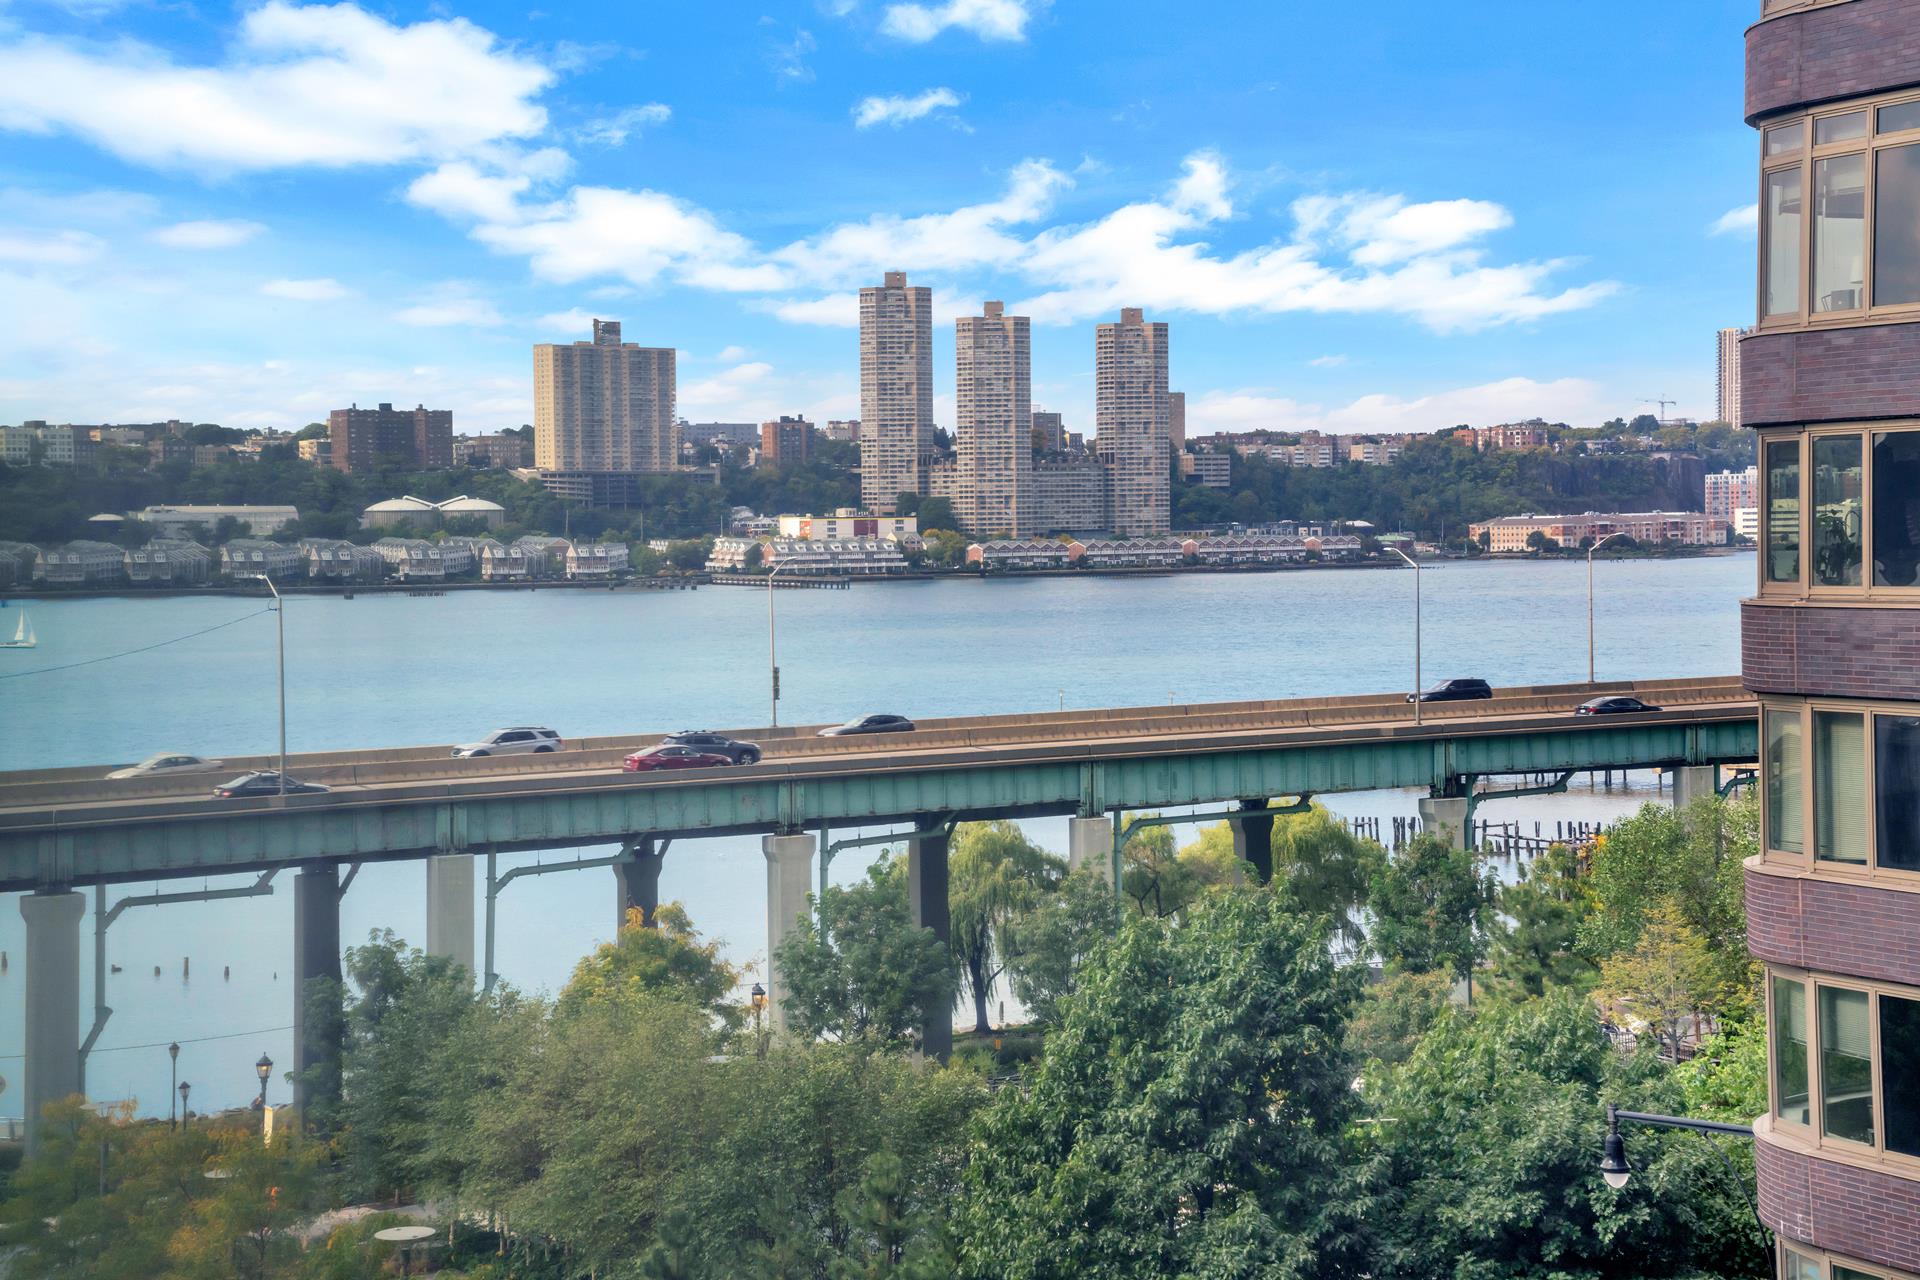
column 450, row 908
column 927, row 896
column 52, row 1066
column 789, row 877
column 1448, row 813
column 1090, row 844
column 1253, row 840
column 637, row 881
column 316, row 954
column 1695, row 782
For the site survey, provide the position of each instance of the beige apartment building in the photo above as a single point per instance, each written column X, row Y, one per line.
column 896, row 390
column 1687, row 528
column 993, row 423
column 1132, row 422
column 604, row 405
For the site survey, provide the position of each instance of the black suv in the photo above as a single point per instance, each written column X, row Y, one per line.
column 718, row 744
column 1455, row 691
column 870, row 724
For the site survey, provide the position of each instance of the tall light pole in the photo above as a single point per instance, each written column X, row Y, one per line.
column 264, row 1069
column 773, row 665
column 280, row 620
column 1590, row 550
column 173, row 1052
column 1416, row 629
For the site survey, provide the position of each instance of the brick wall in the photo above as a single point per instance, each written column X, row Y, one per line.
column 1835, row 928
column 1838, row 52
column 1843, row 653
column 1865, row 1215
column 1830, row 375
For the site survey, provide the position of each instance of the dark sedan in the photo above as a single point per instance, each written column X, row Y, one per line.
column 718, row 744
column 1461, row 690
column 869, row 724
column 670, row 757
column 1614, row 705
column 266, row 784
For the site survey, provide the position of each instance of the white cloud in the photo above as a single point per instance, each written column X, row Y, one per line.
column 988, row 19
column 460, row 190
column 613, row 130
column 320, row 289
column 207, row 234
column 452, row 303
column 572, row 321
column 639, row 235
column 328, row 85
column 836, row 310
column 899, row 109
column 755, row 391
column 50, row 248
column 1574, row 400
column 1743, row 221
column 1327, row 362
column 729, row 354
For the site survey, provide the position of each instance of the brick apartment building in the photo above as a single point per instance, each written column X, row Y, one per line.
column 359, row 439
column 1830, row 641
column 786, row 441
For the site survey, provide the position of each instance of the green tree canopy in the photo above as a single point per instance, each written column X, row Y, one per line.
column 995, row 874
column 666, row 958
column 1429, row 905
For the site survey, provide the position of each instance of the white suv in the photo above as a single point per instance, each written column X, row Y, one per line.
column 511, row 742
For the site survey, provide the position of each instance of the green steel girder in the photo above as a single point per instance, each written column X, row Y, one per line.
column 1138, row 777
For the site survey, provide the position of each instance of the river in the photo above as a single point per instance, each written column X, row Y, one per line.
column 394, row 670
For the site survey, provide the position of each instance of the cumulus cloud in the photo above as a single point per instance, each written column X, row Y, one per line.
column 571, row 321
column 614, row 130
column 50, row 248
column 1327, row 362
column 449, row 304
column 325, row 85
column 319, row 289
column 1507, row 400
column 900, row 109
column 1743, row 221
column 207, row 234
column 988, row 19
column 639, row 235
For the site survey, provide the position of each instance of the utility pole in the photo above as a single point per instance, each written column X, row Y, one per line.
column 280, row 621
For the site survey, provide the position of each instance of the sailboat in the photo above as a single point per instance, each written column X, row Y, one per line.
column 23, row 637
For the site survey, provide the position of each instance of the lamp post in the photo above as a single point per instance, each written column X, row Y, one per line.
column 1416, row 629
column 184, row 1088
column 773, row 665
column 173, row 1053
column 1590, row 550
column 265, row 1069
column 1617, row 1169
column 280, row 621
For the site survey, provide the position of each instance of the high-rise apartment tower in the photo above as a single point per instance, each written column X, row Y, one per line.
column 604, row 405
column 993, row 423
column 1132, row 422
column 1727, row 407
column 896, row 391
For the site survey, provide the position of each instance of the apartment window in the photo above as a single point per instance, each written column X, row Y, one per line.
column 1781, row 209
column 1795, row 1265
column 1896, row 505
column 1838, row 492
column 1786, row 828
column 1896, row 770
column 1790, row 1049
column 1783, row 511
column 1900, row 1072
column 1839, row 232
column 1846, row 1064
column 1896, row 238
column 1840, row 787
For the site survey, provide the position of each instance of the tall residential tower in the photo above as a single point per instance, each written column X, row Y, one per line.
column 1727, row 407
column 896, row 391
column 1132, row 422
column 993, row 423
column 604, row 406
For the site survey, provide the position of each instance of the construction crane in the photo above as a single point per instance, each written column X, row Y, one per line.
column 1662, row 419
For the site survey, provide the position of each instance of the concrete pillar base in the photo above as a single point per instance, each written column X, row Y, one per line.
column 789, row 876
column 637, row 882
column 1695, row 782
column 927, row 895
column 316, row 954
column 1090, row 844
column 52, row 1066
column 450, row 908
column 1445, row 817
column 1253, row 840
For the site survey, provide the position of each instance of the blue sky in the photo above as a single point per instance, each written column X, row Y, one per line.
column 1392, row 217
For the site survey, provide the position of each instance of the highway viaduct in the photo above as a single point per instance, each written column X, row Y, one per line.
column 66, row 829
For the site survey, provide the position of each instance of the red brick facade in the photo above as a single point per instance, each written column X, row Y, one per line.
column 1841, row 653
column 1834, row 928
column 1830, row 375
column 1835, row 1206
column 1841, row 51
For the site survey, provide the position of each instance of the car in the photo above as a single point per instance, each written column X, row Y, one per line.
column 1460, row 690
column 266, row 784
column 522, row 740
column 718, row 743
column 163, row 765
column 667, row 756
column 869, row 724
column 1613, row 705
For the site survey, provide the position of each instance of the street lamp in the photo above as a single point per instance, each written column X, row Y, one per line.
column 173, row 1053
column 1617, row 1169
column 773, row 666
column 759, row 998
column 1416, row 628
column 280, row 621
column 184, row 1087
column 265, row 1069
column 1590, row 550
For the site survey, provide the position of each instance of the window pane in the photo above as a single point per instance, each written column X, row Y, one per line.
column 1782, row 138
column 1848, row 1273
column 1800, row 1267
column 1840, row 128
column 1846, row 1070
column 1839, row 787
column 1782, row 222
column 1900, row 1072
column 1896, row 508
column 1896, row 226
column 1901, row 115
column 1790, row 1050
column 1896, row 766
column 1838, row 488
column 1839, row 222
column 1785, row 829
column 1783, row 511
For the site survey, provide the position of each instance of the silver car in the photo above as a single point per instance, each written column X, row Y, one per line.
column 164, row 765
column 523, row 740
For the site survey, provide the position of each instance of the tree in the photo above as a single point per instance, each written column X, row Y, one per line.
column 1329, row 869
column 663, row 958
column 1429, row 905
column 1535, row 942
column 1666, row 980
column 1161, row 880
column 1538, row 541
column 865, row 970
column 1395, row 1016
column 937, row 513
column 889, row 1238
column 1189, row 1116
column 995, row 873
column 1052, row 940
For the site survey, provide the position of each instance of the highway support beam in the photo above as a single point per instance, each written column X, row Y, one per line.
column 636, row 878
column 52, row 1068
column 1253, row 838
column 450, row 908
column 789, row 877
column 317, row 1037
column 1090, row 844
column 1445, row 817
column 1694, row 782
column 927, row 897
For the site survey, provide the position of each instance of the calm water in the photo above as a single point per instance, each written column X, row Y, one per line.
column 397, row 670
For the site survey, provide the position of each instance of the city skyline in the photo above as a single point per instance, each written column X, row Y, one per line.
column 1348, row 276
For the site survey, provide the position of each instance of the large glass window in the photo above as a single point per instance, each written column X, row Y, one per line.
column 1839, row 233
column 1785, row 827
column 1801, row 1267
column 1844, row 127
column 1840, row 787
column 1896, row 228
column 1838, row 490
column 1790, row 1066
column 1782, row 228
column 1846, row 1066
column 1896, row 788
column 1783, row 511
column 1897, row 118
column 1896, row 508
column 1783, row 139
column 1900, row 1072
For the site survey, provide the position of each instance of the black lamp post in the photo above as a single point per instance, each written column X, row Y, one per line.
column 173, row 1054
column 184, row 1087
column 265, row 1068
column 1617, row 1169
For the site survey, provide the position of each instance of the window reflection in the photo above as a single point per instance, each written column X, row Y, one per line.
column 1839, row 240
column 1783, row 511
column 1840, row 787
column 1783, row 242
column 1896, row 508
column 1897, row 117
column 1783, row 138
column 1896, row 226
column 1838, row 485
column 1841, row 128
column 1846, row 1066
column 1900, row 1072
column 1785, row 829
column 1896, row 767
column 1790, row 1050
column 1800, row 1267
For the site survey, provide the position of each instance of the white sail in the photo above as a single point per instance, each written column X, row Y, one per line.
column 23, row 637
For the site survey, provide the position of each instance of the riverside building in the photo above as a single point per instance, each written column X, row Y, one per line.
column 993, row 423
column 603, row 415
column 1830, row 640
column 896, row 391
column 1132, row 422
